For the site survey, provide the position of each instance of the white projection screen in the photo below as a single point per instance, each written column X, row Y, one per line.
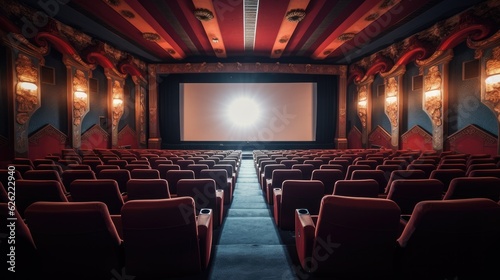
column 261, row 112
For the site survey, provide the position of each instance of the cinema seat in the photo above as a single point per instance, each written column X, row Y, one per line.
column 147, row 189
column 173, row 176
column 205, row 195
column 121, row 176
column 446, row 175
column 166, row 237
column 328, row 177
column 450, row 239
column 352, row 238
column 28, row 192
column 75, row 240
column 145, row 174
column 295, row 194
column 70, row 175
column 277, row 179
column 408, row 192
column 474, row 187
column 222, row 182
column 103, row 190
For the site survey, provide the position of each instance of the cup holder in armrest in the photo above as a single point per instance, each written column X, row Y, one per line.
column 205, row 211
column 303, row 211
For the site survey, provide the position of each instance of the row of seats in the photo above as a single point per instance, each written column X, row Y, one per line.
column 81, row 240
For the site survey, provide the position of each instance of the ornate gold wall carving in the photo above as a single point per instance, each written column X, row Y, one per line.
column 362, row 107
column 80, row 104
column 492, row 90
column 391, row 102
column 433, row 103
column 27, row 98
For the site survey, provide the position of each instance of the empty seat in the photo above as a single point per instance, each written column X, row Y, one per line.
column 404, row 174
column 328, row 177
column 446, row 175
column 426, row 167
column 42, row 175
column 101, row 167
column 377, row 175
column 173, row 176
column 306, row 170
column 79, row 237
column 147, row 189
column 103, row 190
column 120, row 162
column 474, row 187
column 295, row 194
column 372, row 163
column 289, row 163
column 164, row 168
column 478, row 166
column 70, row 175
column 53, row 166
column 205, row 195
column 351, row 168
column 461, row 166
column 166, row 238
column 450, row 239
column 222, row 182
column 121, row 176
column 267, row 173
column 277, row 179
column 29, row 191
column 356, row 188
column 145, row 174
column 352, row 238
column 315, row 162
column 408, row 192
column 132, row 166
column 197, row 168
column 183, row 163
column 494, row 172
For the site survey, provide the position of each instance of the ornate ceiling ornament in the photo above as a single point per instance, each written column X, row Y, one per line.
column 153, row 37
column 113, row 2
column 346, row 36
column 203, row 14
column 295, row 15
column 127, row 14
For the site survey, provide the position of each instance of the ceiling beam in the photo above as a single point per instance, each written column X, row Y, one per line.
column 204, row 11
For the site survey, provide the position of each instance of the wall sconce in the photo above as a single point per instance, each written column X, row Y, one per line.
column 362, row 106
column 391, row 100
column 28, row 86
column 117, row 102
column 492, row 79
column 80, row 94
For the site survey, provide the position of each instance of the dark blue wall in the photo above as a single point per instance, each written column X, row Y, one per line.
column 464, row 104
column 413, row 114
column 53, row 101
column 98, row 100
column 378, row 112
column 3, row 94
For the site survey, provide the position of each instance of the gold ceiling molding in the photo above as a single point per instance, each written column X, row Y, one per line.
column 340, row 70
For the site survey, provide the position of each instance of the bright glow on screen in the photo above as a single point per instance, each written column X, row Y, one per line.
column 243, row 111
column 248, row 111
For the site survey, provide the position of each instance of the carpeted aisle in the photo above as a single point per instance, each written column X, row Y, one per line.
column 249, row 246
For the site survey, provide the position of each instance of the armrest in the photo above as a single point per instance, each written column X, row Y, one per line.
column 117, row 221
column 277, row 204
column 219, row 203
column 204, row 222
column 304, row 236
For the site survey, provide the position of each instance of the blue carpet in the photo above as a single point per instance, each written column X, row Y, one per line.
column 249, row 246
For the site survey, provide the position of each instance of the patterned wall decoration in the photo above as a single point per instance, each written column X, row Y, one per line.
column 47, row 140
column 472, row 140
column 416, row 139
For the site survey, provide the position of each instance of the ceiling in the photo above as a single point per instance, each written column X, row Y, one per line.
column 306, row 31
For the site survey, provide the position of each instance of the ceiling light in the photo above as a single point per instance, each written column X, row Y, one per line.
column 203, row 14
column 346, row 36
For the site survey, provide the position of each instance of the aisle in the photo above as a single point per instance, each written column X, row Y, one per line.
column 249, row 246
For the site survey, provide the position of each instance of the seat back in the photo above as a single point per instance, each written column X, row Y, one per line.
column 328, row 177
column 494, row 172
column 79, row 237
column 161, row 237
column 277, row 179
column 121, row 176
column 164, row 168
column 408, row 192
column 454, row 239
column 351, row 168
column 103, row 190
column 404, row 174
column 42, row 175
column 30, row 191
column 147, row 189
column 298, row 194
column 356, row 188
column 358, row 235
column 377, row 175
column 145, row 174
column 197, row 168
column 446, row 175
column 204, row 193
column 426, row 167
column 306, row 169
column 221, row 182
column 474, row 187
column 70, row 175
column 173, row 176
